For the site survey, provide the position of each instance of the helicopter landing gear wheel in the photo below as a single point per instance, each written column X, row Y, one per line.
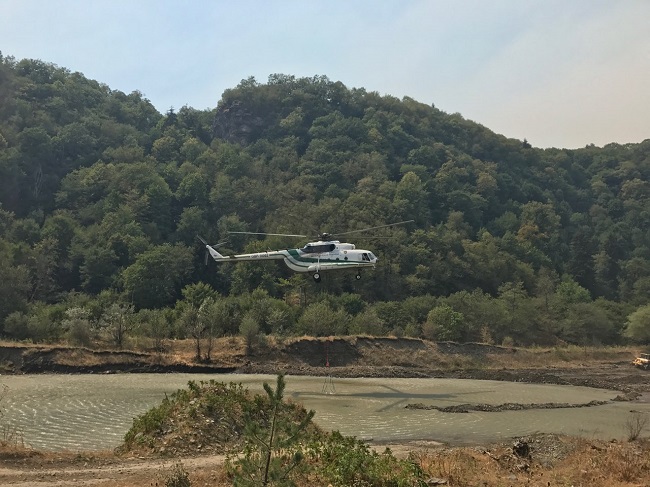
column 316, row 276
column 358, row 276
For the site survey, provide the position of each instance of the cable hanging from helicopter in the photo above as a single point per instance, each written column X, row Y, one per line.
column 326, row 254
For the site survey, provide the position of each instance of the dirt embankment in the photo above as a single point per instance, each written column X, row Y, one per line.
column 67, row 360
column 312, row 355
column 606, row 368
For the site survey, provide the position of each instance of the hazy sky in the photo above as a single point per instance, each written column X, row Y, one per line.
column 559, row 73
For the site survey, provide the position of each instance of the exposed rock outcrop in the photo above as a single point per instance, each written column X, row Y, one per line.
column 234, row 123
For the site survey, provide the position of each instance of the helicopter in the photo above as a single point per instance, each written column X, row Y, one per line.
column 325, row 254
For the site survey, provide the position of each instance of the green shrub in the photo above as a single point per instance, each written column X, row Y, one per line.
column 215, row 405
column 344, row 461
column 149, row 422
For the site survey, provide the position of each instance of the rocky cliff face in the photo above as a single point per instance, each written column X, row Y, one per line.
column 234, row 123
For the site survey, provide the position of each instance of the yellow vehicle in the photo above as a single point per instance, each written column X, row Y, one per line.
column 642, row 361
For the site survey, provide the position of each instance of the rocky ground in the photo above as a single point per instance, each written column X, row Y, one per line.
column 358, row 357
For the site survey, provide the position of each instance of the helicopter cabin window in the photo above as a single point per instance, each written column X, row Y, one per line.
column 318, row 249
column 365, row 257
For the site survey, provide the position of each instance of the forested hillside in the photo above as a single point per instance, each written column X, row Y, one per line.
column 102, row 197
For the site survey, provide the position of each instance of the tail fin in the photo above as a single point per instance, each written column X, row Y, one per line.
column 210, row 250
column 215, row 255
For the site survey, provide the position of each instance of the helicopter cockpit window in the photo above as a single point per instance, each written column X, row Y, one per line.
column 365, row 257
column 318, row 249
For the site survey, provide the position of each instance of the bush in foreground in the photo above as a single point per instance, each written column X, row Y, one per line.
column 269, row 441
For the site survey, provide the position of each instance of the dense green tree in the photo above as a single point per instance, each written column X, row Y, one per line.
column 570, row 292
column 155, row 325
column 411, row 198
column 156, row 277
column 249, row 329
column 77, row 325
column 119, row 321
column 98, row 269
column 581, row 260
column 319, row 319
column 228, row 315
column 367, row 323
column 587, row 324
column 196, row 294
column 519, row 309
column 481, row 314
column 15, row 286
column 44, row 262
column 16, row 326
column 443, row 323
column 637, row 327
column 545, row 285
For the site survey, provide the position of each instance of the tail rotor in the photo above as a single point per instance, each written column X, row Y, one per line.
column 206, row 245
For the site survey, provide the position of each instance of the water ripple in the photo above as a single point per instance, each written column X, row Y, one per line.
column 86, row 412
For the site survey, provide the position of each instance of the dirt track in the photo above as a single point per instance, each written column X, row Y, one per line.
column 108, row 471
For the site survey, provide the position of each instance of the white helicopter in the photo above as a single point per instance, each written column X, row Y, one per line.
column 326, row 254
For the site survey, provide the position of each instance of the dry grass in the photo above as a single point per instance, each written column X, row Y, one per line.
column 570, row 356
column 383, row 352
column 216, row 477
column 419, row 353
column 607, row 464
column 225, row 351
column 581, row 463
column 407, row 352
column 24, row 344
column 428, row 353
column 636, row 424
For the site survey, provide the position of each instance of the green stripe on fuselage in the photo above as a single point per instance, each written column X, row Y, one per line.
column 301, row 260
column 295, row 255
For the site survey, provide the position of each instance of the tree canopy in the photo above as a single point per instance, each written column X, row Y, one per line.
column 101, row 192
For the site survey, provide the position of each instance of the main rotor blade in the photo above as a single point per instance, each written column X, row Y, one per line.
column 271, row 234
column 374, row 228
column 217, row 245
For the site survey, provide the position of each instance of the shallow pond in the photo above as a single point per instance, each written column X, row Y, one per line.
column 89, row 412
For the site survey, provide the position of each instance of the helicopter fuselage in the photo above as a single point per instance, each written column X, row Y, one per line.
column 313, row 257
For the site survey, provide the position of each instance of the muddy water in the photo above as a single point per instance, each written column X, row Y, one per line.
column 87, row 412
